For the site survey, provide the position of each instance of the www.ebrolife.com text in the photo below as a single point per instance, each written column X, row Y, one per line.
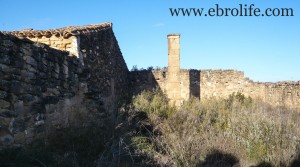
column 240, row 10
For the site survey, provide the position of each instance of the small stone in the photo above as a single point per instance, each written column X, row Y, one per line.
column 20, row 137
column 6, row 139
column 51, row 100
column 39, row 123
column 19, row 106
column 16, row 87
column 4, row 104
column 4, row 67
column 3, row 94
column 8, row 43
column 4, row 59
column 27, row 98
column 4, row 85
column 30, row 60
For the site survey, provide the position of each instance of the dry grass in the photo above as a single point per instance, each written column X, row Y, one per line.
column 239, row 127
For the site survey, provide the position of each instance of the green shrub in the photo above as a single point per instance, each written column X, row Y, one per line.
column 141, row 142
column 153, row 103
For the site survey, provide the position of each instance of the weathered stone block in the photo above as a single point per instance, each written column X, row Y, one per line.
column 27, row 75
column 9, row 77
column 5, row 59
column 3, row 94
column 30, row 68
column 4, row 104
column 8, row 113
column 51, row 99
column 6, row 138
column 16, row 87
column 20, row 137
column 18, row 64
column 7, row 43
column 26, row 98
column 30, row 60
column 26, row 50
column 18, row 106
column 9, row 70
column 4, row 68
column 39, row 123
column 4, row 121
column 19, row 124
column 38, row 107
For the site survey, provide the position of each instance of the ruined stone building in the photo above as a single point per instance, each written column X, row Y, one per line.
column 181, row 84
column 45, row 75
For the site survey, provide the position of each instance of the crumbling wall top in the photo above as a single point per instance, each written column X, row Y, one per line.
column 65, row 32
column 175, row 34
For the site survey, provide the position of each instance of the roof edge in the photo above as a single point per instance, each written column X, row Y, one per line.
column 65, row 32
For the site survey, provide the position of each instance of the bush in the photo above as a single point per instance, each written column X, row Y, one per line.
column 247, row 129
column 134, row 68
column 234, row 131
column 154, row 103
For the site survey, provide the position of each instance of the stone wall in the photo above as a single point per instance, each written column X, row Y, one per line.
column 41, row 87
column 283, row 94
column 59, row 42
column 145, row 80
column 33, row 78
column 104, row 67
column 148, row 80
column 220, row 84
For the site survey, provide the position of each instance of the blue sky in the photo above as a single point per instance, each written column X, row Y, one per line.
column 265, row 48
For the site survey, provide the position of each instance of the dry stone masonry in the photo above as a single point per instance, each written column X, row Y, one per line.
column 47, row 75
column 173, row 79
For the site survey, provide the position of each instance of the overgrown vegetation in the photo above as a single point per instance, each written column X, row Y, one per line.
column 236, row 131
column 244, row 131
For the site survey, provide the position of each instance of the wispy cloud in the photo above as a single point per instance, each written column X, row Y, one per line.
column 159, row 25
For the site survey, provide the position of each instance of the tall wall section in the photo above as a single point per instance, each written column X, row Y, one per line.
column 105, row 69
column 33, row 78
column 149, row 80
column 205, row 84
column 41, row 86
column 222, row 83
